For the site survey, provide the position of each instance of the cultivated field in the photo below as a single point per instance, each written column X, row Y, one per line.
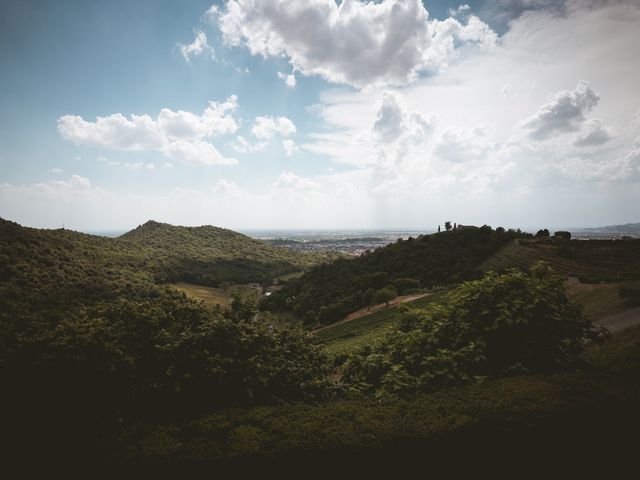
column 216, row 296
column 592, row 260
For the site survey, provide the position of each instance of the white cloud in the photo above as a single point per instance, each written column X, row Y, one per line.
column 459, row 146
column 458, row 142
column 565, row 112
column 291, row 181
column 383, row 43
column 211, row 14
column 140, row 165
column 228, row 189
column 390, row 118
column 265, row 128
column 289, row 147
column 140, row 132
column 242, row 145
column 289, row 80
column 75, row 183
column 55, row 170
column 216, row 120
column 102, row 159
column 199, row 46
column 178, row 134
column 594, row 133
column 197, row 152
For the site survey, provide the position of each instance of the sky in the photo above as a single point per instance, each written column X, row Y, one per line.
column 319, row 114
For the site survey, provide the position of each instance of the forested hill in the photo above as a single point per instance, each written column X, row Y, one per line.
column 52, row 270
column 330, row 291
column 210, row 255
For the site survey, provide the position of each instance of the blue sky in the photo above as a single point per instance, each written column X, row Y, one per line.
column 460, row 113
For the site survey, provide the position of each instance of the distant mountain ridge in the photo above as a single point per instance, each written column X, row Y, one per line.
column 627, row 228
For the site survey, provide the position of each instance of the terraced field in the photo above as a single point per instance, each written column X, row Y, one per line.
column 590, row 260
column 343, row 338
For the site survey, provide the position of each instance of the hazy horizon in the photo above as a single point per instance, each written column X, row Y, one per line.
column 256, row 114
column 267, row 232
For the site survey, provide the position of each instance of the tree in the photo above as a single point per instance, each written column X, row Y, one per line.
column 447, row 225
column 500, row 325
column 169, row 352
column 438, row 228
column 544, row 233
column 406, row 284
column 385, row 295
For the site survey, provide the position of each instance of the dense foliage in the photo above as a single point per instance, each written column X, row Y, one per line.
column 162, row 351
column 554, row 413
column 330, row 291
column 84, row 315
column 210, row 255
column 502, row 324
column 46, row 273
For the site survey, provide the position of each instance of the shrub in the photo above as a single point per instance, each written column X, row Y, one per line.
column 502, row 324
column 168, row 352
column 386, row 294
column 405, row 284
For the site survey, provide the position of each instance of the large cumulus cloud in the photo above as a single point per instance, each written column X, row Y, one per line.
column 383, row 43
column 179, row 135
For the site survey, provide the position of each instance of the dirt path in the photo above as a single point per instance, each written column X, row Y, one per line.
column 363, row 312
column 621, row 321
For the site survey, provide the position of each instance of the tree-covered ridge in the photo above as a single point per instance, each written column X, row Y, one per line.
column 63, row 266
column 330, row 291
column 81, row 314
column 210, row 255
column 46, row 274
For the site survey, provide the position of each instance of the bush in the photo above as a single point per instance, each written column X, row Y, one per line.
column 386, row 294
column 502, row 324
column 167, row 352
column 403, row 285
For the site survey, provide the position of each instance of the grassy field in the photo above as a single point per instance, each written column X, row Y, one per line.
column 598, row 300
column 345, row 337
column 216, row 296
column 290, row 276
column 590, row 410
column 596, row 260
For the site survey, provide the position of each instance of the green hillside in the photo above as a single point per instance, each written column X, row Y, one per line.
column 590, row 260
column 87, row 323
column 210, row 255
column 50, row 272
column 330, row 291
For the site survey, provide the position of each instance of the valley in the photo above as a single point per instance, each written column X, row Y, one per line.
column 235, row 331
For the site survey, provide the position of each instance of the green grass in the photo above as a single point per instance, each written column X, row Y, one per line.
column 290, row 276
column 598, row 300
column 597, row 260
column 609, row 387
column 346, row 337
column 216, row 296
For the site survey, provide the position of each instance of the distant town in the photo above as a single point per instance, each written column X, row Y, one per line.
column 356, row 242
